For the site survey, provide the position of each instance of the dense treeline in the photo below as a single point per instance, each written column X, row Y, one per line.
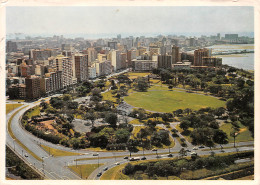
column 177, row 166
column 17, row 167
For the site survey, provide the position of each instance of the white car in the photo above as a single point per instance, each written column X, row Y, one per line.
column 195, row 148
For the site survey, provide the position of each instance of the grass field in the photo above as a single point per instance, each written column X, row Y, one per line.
column 57, row 153
column 34, row 112
column 168, row 101
column 136, row 122
column 108, row 96
column 84, row 170
column 133, row 75
column 244, row 133
column 10, row 107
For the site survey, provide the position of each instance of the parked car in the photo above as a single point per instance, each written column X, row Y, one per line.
column 188, row 150
column 135, row 159
column 170, row 155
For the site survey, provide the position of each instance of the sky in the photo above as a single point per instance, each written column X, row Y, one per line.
column 129, row 20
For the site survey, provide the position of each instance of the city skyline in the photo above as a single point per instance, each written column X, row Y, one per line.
column 94, row 22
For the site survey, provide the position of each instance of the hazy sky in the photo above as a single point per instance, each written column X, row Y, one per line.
column 114, row 20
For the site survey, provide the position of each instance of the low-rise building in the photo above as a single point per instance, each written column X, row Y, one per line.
column 182, row 65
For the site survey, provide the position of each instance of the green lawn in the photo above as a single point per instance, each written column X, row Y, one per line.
column 136, row 122
column 168, row 101
column 244, row 134
column 34, row 112
column 57, row 153
column 133, row 75
column 84, row 170
column 108, row 96
column 10, row 107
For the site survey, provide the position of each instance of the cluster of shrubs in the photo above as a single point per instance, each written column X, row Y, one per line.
column 175, row 167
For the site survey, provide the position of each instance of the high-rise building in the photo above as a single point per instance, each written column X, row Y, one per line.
column 11, row 46
column 32, row 87
column 231, row 36
column 112, row 45
column 154, row 51
column 92, row 55
column 55, row 80
column 123, row 60
column 103, row 68
column 17, row 91
column 64, row 64
column 175, row 54
column 115, row 59
column 165, row 61
column 131, row 54
column 198, row 56
column 81, row 67
column 43, row 54
column 45, row 86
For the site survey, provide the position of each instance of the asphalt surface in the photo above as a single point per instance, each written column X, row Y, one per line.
column 57, row 167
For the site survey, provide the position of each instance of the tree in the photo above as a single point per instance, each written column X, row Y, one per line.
column 122, row 135
column 220, row 137
column 141, row 84
column 66, row 97
column 129, row 169
column 185, row 124
column 75, row 142
column 44, row 105
column 56, row 102
column 131, row 147
column 182, row 152
column 91, row 116
column 111, row 118
column 219, row 111
column 165, row 117
column 178, row 112
column 73, row 105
